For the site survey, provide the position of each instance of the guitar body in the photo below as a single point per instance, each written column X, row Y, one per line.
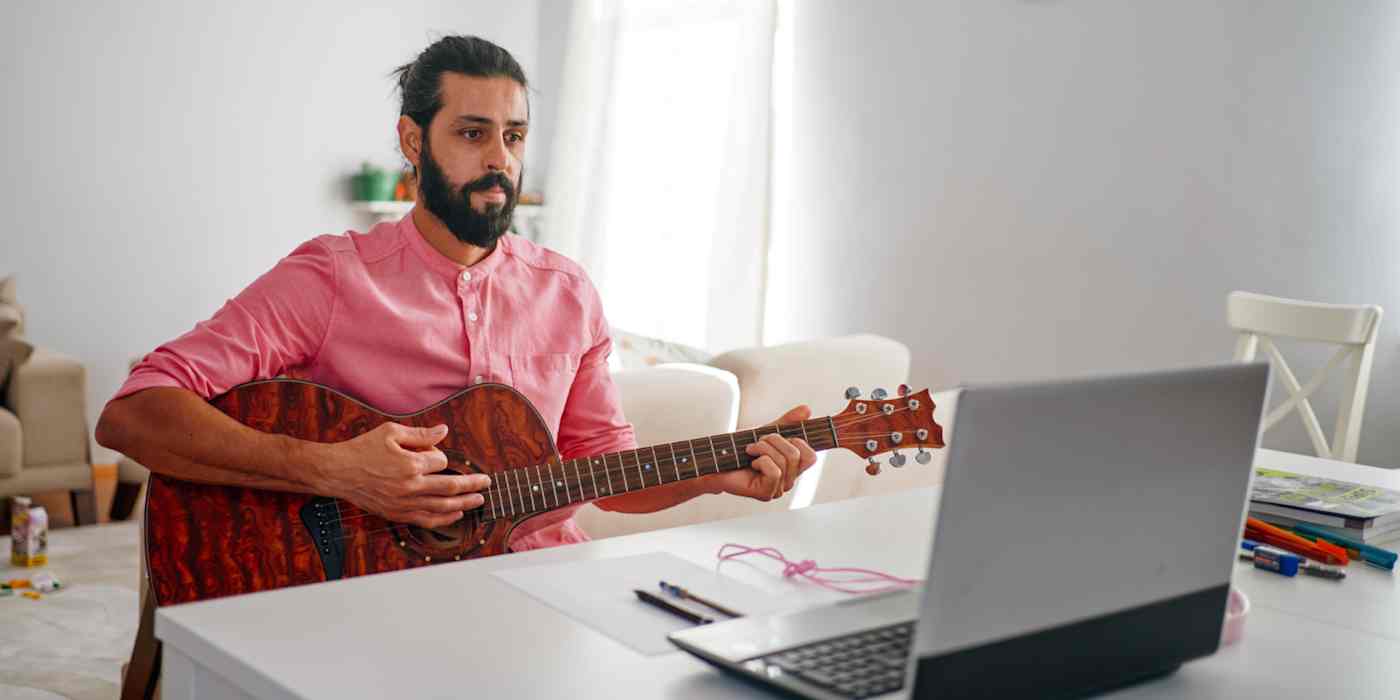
column 205, row 541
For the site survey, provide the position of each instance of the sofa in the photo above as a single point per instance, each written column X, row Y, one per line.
column 749, row 387
column 44, row 443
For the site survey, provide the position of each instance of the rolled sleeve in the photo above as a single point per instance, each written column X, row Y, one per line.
column 278, row 322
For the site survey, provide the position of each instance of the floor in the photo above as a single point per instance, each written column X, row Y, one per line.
column 72, row 643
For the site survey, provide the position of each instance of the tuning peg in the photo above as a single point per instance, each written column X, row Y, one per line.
column 897, row 460
column 923, row 457
column 852, row 393
column 873, row 468
column 879, row 394
column 903, row 390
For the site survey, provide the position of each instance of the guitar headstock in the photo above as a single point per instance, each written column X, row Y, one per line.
column 880, row 424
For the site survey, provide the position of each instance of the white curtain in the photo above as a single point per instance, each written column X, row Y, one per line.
column 660, row 172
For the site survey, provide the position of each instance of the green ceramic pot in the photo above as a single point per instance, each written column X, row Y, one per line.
column 374, row 184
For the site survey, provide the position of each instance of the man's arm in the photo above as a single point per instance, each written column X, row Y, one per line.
column 388, row 471
column 160, row 418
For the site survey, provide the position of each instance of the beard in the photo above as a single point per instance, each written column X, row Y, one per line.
column 454, row 207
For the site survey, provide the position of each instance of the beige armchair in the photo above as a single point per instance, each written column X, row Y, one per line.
column 44, row 443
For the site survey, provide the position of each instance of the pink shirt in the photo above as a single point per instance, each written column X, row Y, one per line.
column 385, row 318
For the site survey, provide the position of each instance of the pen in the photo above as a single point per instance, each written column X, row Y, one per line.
column 1375, row 556
column 679, row 592
column 666, row 605
column 1324, row 551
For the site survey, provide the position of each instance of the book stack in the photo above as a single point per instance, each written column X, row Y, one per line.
column 1364, row 513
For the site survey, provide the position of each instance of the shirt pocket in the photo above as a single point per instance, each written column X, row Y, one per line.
column 545, row 379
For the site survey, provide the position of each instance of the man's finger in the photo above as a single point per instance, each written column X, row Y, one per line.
column 797, row 413
column 809, row 455
column 791, row 458
column 418, row 438
column 450, row 484
column 430, row 461
column 772, row 476
column 429, row 520
column 443, row 504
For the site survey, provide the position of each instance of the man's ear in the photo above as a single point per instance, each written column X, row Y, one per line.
column 410, row 139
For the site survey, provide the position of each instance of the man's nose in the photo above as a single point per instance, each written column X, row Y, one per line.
column 497, row 156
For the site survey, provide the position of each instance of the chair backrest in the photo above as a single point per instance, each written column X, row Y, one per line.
column 1260, row 318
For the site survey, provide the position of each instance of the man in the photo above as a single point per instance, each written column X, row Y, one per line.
column 406, row 315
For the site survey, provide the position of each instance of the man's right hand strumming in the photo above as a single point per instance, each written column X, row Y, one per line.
column 391, row 471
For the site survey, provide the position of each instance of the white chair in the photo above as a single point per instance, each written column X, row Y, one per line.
column 1258, row 318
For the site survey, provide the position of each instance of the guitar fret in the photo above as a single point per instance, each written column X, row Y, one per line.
column 607, row 479
column 674, row 464
column 622, row 469
column 694, row 461
column 555, row 482
column 543, row 483
column 804, row 434
column 655, row 463
column 491, row 499
column 713, row 452
column 578, row 476
column 641, row 471
column 515, row 488
column 531, row 489
column 738, row 456
column 592, row 476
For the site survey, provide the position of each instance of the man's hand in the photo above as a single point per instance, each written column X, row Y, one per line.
column 779, row 462
column 390, row 471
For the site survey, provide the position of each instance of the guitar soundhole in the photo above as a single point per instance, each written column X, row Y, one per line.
column 446, row 543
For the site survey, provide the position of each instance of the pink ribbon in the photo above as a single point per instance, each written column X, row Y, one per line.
column 808, row 569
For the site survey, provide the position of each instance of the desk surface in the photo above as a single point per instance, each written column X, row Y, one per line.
column 455, row 629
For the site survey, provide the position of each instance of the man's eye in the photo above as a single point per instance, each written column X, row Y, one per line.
column 471, row 133
column 515, row 138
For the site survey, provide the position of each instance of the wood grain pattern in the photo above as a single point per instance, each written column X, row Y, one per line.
column 206, row 541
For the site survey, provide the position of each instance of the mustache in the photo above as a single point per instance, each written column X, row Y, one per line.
column 489, row 180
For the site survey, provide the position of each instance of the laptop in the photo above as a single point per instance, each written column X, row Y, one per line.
column 1085, row 540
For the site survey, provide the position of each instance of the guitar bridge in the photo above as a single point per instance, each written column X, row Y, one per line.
column 321, row 516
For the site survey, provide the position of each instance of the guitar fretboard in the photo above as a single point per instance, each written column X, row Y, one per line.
column 522, row 491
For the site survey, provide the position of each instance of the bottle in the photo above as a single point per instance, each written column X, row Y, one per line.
column 29, row 533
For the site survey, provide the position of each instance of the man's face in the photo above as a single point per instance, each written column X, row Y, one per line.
column 470, row 163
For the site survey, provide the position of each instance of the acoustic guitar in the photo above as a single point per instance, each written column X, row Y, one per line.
column 205, row 541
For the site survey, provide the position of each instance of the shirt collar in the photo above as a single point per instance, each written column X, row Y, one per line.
column 444, row 265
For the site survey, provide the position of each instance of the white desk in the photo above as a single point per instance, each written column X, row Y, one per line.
column 454, row 630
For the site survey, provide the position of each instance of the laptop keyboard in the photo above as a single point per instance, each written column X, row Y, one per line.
column 856, row 666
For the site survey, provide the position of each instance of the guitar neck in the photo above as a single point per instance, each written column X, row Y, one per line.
column 523, row 491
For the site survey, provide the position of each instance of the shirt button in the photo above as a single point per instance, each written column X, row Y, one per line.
column 471, row 315
column 480, row 379
column 466, row 276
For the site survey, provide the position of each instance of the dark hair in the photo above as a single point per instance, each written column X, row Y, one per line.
column 420, row 82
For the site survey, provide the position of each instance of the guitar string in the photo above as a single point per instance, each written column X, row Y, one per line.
column 608, row 473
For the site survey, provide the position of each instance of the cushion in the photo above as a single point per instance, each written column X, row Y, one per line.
column 13, row 352
column 11, row 313
column 634, row 351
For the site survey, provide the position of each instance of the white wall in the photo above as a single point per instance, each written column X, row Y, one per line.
column 159, row 156
column 1019, row 189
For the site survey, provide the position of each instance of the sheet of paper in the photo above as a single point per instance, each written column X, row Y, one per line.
column 598, row 593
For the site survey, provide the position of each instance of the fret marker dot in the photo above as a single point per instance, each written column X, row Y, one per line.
column 684, row 460
column 648, row 467
column 724, row 452
column 557, row 484
column 536, row 487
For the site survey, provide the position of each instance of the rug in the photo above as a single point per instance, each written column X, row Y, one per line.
column 72, row 643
